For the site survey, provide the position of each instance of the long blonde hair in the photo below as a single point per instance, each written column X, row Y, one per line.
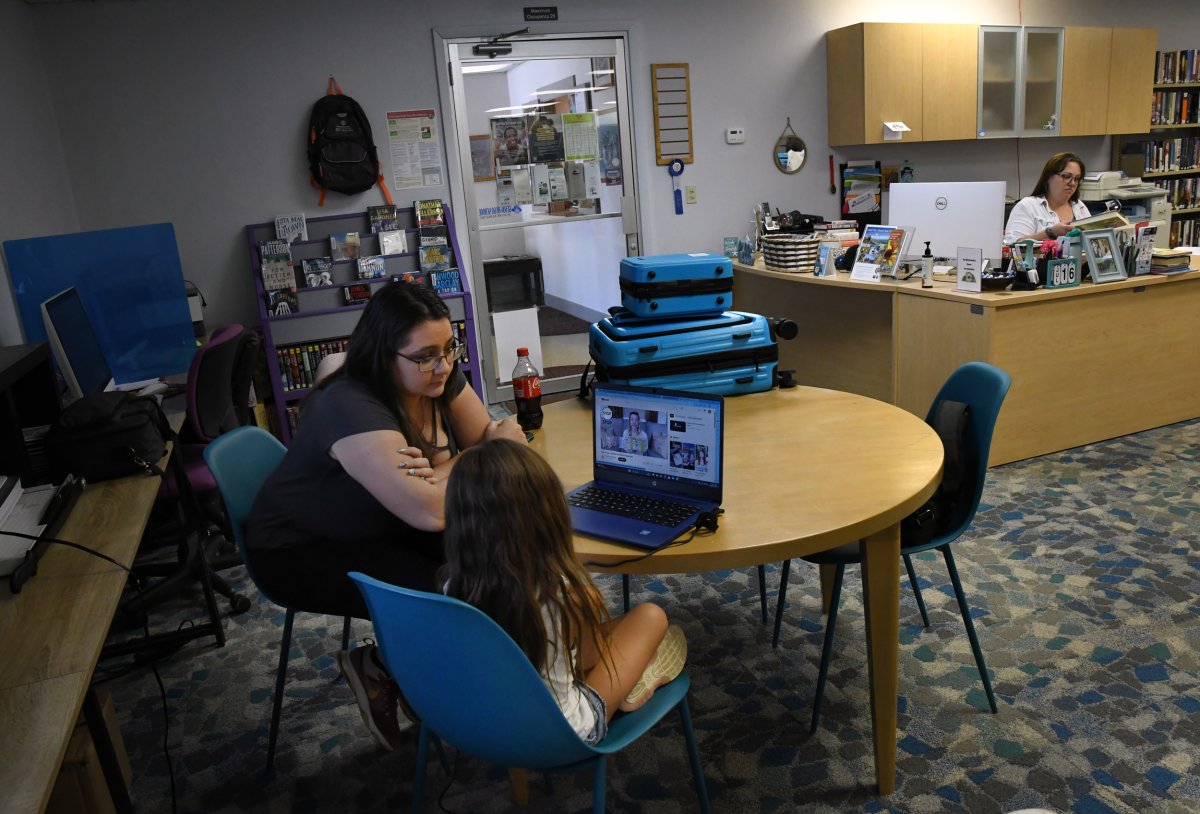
column 509, row 550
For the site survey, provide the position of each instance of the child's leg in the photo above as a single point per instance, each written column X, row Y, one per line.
column 632, row 642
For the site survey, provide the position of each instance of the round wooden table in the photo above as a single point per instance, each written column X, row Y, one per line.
column 806, row 470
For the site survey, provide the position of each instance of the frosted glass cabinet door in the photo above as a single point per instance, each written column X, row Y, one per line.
column 999, row 54
column 1043, row 81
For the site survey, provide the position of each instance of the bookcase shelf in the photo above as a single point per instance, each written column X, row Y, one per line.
column 324, row 316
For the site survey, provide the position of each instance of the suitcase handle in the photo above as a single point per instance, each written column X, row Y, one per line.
column 744, row 380
column 648, row 349
column 736, row 337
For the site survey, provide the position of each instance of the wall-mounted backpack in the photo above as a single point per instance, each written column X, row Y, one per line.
column 341, row 152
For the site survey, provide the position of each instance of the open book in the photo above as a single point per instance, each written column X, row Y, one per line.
column 1105, row 220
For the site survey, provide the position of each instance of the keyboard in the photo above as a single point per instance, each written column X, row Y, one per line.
column 660, row 511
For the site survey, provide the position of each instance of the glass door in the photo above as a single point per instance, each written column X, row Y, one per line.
column 542, row 182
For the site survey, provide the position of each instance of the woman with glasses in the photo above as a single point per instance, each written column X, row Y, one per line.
column 363, row 485
column 1048, row 213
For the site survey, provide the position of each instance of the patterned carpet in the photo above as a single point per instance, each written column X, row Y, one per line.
column 1083, row 572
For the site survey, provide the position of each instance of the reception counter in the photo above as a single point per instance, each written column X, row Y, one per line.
column 1087, row 363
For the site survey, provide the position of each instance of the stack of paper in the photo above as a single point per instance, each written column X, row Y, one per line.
column 1170, row 261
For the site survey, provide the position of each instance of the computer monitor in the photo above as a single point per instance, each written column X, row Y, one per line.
column 76, row 349
column 950, row 215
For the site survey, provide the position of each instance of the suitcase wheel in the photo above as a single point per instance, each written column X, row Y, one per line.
column 654, row 305
column 650, row 275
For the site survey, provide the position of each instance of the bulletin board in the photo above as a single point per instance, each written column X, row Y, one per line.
column 131, row 284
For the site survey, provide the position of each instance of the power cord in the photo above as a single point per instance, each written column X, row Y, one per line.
column 449, row 783
column 706, row 524
column 162, row 691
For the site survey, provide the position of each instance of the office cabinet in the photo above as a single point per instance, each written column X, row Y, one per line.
column 1020, row 81
column 919, row 74
column 1107, row 80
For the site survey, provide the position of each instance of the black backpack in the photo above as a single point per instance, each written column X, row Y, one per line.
column 341, row 152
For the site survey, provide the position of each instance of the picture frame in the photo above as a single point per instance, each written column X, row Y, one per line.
column 482, row 166
column 602, row 71
column 1103, row 255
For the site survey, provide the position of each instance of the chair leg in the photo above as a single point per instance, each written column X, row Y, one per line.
column 689, row 737
column 598, row 784
column 519, row 779
column 784, row 571
column 346, row 633
column 418, row 792
column 625, row 590
column 280, row 675
column 437, row 745
column 827, row 647
column 912, row 580
column 762, row 591
column 966, row 615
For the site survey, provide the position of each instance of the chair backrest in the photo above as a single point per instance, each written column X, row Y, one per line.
column 240, row 461
column 467, row 679
column 219, row 382
column 982, row 387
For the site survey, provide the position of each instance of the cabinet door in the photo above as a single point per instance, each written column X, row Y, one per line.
column 892, row 78
column 1130, row 79
column 999, row 80
column 1085, row 81
column 949, row 64
column 1042, row 81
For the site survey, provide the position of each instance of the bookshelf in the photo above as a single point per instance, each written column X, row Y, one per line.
column 324, row 319
column 1168, row 153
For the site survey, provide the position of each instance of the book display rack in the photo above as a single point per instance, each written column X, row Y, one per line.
column 322, row 307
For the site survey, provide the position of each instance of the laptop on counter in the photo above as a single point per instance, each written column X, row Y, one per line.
column 657, row 464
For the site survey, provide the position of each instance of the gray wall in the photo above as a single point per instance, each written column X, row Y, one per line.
column 195, row 113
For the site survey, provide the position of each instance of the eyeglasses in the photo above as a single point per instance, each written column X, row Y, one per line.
column 428, row 364
column 1068, row 178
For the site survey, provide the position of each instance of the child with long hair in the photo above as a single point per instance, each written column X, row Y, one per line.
column 509, row 552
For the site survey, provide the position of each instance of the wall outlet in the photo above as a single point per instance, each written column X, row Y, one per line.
column 689, row 193
column 735, row 135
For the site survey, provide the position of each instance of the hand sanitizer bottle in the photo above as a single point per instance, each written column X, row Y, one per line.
column 927, row 267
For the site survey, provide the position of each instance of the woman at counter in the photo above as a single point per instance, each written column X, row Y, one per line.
column 1048, row 213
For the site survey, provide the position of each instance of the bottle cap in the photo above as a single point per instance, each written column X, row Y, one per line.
column 522, row 351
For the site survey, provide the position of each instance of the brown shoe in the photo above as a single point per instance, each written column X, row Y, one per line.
column 375, row 691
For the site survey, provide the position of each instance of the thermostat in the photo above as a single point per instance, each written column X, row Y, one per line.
column 735, row 135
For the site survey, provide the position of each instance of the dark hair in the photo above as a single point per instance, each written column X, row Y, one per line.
column 385, row 326
column 1057, row 163
column 513, row 129
column 509, row 550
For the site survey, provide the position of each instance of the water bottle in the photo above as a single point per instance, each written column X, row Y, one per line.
column 527, row 391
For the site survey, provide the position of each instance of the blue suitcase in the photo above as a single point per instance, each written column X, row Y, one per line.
column 663, row 284
column 727, row 353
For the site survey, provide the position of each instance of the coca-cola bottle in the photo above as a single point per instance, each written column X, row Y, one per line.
column 527, row 391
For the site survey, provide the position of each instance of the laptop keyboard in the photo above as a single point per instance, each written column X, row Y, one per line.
column 655, row 510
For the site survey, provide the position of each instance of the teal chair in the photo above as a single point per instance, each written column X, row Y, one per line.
column 982, row 387
column 473, row 687
column 240, row 461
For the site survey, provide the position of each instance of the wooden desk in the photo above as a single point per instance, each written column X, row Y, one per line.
column 53, row 632
column 805, row 470
column 1087, row 363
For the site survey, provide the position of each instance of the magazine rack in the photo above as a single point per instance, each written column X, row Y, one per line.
column 324, row 317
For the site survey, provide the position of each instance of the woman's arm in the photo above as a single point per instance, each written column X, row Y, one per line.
column 471, row 424
column 373, row 459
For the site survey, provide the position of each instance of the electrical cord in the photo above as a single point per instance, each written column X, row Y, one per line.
column 162, row 691
column 449, row 783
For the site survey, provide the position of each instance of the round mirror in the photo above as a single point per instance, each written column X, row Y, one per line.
column 789, row 152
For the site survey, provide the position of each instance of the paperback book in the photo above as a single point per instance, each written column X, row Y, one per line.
column 372, row 267
column 880, row 251
column 392, row 242
column 277, row 270
column 356, row 293
column 445, row 282
column 435, row 257
column 383, row 217
column 411, row 277
column 282, row 302
column 343, row 246
column 430, row 212
column 291, row 227
column 317, row 271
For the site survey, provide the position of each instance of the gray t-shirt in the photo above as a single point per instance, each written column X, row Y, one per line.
column 311, row 498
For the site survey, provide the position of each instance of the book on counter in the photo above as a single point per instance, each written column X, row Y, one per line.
column 343, row 245
column 317, row 271
column 291, row 227
column 282, row 302
column 277, row 270
column 1170, row 261
column 383, row 217
column 372, row 267
column 356, row 293
column 392, row 242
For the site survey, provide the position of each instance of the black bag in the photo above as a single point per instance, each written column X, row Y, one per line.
column 944, row 510
column 341, row 152
column 108, row 435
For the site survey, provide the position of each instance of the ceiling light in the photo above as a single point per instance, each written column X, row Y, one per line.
column 486, row 67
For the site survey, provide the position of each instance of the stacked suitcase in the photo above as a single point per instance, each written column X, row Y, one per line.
column 674, row 330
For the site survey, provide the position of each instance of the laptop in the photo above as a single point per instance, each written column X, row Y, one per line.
column 650, row 447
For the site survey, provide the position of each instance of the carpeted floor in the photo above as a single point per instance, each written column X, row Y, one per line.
column 1083, row 573
column 553, row 322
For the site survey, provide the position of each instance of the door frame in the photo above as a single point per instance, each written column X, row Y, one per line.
column 458, row 162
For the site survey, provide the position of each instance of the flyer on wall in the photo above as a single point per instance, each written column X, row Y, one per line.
column 414, row 144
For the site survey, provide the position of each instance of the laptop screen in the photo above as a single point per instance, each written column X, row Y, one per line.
column 664, row 439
